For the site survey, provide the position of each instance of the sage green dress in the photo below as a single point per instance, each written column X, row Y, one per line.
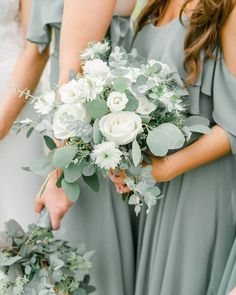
column 187, row 243
column 100, row 220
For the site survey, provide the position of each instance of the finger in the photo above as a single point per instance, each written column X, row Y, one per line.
column 125, row 189
column 118, row 188
column 39, row 205
column 55, row 221
column 118, row 180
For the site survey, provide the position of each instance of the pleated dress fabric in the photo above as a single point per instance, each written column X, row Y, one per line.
column 187, row 243
column 100, row 220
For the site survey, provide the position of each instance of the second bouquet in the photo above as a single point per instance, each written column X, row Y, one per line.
column 118, row 112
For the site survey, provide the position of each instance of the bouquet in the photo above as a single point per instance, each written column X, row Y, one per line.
column 34, row 263
column 120, row 110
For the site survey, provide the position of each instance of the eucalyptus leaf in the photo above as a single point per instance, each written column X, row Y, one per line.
column 200, row 129
column 120, row 84
column 42, row 166
column 97, row 135
column 74, row 171
column 72, row 190
column 63, row 156
column 132, row 103
column 164, row 138
column 49, row 142
column 197, row 120
column 10, row 261
column 97, row 108
column 29, row 132
column 136, row 153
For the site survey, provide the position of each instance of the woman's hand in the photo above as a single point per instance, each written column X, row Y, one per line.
column 160, row 170
column 54, row 199
column 119, row 180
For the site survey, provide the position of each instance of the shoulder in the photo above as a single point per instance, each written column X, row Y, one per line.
column 228, row 41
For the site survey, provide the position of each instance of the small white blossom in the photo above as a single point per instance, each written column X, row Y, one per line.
column 145, row 107
column 26, row 121
column 45, row 103
column 4, row 283
column 106, row 155
column 44, row 125
column 72, row 91
column 19, row 285
column 95, row 49
column 96, row 68
column 117, row 101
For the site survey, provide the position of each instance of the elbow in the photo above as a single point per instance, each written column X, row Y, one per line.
column 32, row 53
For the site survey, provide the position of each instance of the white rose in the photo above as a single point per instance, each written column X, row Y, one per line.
column 117, row 101
column 73, row 91
column 121, row 127
column 65, row 118
column 145, row 106
column 95, row 68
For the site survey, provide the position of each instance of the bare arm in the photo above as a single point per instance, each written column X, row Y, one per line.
column 26, row 74
column 83, row 21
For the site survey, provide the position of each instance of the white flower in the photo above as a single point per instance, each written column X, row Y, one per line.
column 117, row 101
column 4, row 283
column 106, row 155
column 145, row 107
column 167, row 100
column 95, row 49
column 26, row 121
column 44, row 125
column 96, row 68
column 45, row 103
column 121, row 127
column 72, row 91
column 65, row 118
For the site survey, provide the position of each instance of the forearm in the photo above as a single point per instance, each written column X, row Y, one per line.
column 26, row 75
column 83, row 21
column 207, row 149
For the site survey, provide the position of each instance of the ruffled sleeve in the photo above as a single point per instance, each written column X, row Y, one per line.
column 121, row 32
column 224, row 100
column 45, row 14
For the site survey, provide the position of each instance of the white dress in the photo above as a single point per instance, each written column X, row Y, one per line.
column 17, row 187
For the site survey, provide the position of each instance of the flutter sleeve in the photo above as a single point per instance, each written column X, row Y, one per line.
column 45, row 14
column 224, row 100
column 121, row 32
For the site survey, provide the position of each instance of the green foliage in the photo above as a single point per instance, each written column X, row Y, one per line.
column 164, row 138
column 63, row 156
column 133, row 103
column 136, row 153
column 120, row 84
column 97, row 108
column 72, row 190
column 34, row 263
column 74, row 171
column 49, row 142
